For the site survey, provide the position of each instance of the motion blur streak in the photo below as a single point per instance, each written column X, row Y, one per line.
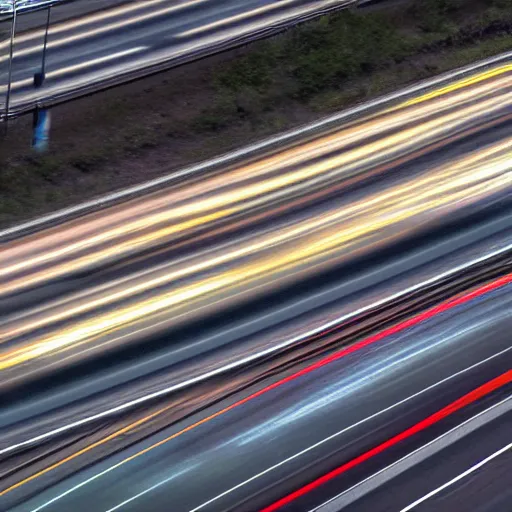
column 474, row 395
column 396, row 206
column 357, row 346
column 317, row 294
column 462, row 83
column 247, row 266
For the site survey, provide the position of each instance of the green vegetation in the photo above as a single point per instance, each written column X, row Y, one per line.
column 319, row 67
column 333, row 53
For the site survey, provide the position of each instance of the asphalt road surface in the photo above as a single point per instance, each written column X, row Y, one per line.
column 99, row 48
column 468, row 472
column 271, row 330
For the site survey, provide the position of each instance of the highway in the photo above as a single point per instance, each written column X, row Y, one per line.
column 101, row 46
column 281, row 323
column 457, row 478
column 464, row 469
column 323, row 415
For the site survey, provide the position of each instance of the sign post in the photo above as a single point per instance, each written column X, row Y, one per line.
column 42, row 117
column 41, row 132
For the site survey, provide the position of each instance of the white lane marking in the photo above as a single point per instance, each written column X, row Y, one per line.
column 82, row 65
column 237, row 17
column 386, row 474
column 254, row 357
column 429, row 388
column 319, row 443
column 149, row 489
column 472, row 469
column 88, row 33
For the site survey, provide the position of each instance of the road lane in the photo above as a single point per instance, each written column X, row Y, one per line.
column 376, row 249
column 469, row 474
column 158, row 263
column 307, row 420
column 489, row 480
column 100, row 48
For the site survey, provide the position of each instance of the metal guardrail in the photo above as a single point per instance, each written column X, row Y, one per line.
column 26, row 6
column 92, row 45
column 243, row 328
column 288, row 138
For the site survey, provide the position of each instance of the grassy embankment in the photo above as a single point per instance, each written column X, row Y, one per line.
column 130, row 134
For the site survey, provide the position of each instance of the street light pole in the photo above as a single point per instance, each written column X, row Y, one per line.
column 11, row 56
column 43, row 63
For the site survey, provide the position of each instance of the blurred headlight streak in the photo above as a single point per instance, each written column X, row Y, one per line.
column 316, row 295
